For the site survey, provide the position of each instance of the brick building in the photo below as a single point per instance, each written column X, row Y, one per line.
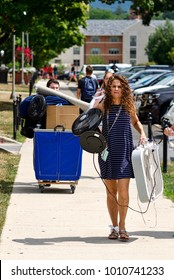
column 116, row 41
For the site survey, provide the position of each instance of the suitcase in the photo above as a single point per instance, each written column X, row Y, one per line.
column 57, row 158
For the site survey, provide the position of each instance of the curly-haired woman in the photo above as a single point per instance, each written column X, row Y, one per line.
column 115, row 162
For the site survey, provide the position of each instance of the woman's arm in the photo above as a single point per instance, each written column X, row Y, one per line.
column 138, row 126
column 99, row 105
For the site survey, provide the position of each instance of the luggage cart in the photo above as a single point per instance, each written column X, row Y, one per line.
column 57, row 158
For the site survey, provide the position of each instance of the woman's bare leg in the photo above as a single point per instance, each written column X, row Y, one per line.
column 111, row 200
column 123, row 201
column 118, row 188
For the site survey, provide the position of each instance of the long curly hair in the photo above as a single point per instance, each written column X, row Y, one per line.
column 127, row 100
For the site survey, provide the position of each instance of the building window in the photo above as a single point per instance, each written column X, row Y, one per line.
column 113, row 51
column 95, row 51
column 113, row 39
column 76, row 50
column 133, row 41
column 133, row 62
column 57, row 61
column 133, row 53
column 76, row 62
column 95, row 39
column 113, row 61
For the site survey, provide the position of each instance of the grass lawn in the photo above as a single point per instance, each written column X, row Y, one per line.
column 169, row 182
column 8, row 162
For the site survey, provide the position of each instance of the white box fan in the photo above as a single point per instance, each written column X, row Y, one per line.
column 147, row 171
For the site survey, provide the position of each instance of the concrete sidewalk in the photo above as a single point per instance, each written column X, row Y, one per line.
column 58, row 225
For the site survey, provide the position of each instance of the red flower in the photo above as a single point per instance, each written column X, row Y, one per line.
column 27, row 54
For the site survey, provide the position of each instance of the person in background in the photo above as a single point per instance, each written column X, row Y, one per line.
column 53, row 84
column 100, row 94
column 34, row 77
column 72, row 75
column 50, row 71
column 55, row 72
column 45, row 71
column 87, row 86
column 115, row 161
column 106, row 77
column 114, row 68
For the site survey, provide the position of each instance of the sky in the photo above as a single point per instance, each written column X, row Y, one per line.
column 124, row 6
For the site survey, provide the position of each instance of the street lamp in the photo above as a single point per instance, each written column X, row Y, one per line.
column 13, row 89
column 22, row 73
column 2, row 55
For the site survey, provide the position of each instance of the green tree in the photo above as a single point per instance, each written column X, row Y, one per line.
column 95, row 59
column 52, row 25
column 119, row 11
column 171, row 55
column 104, row 14
column 160, row 44
column 147, row 8
column 56, row 25
column 101, row 14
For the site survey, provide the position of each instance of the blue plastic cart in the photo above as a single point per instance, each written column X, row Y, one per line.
column 57, row 158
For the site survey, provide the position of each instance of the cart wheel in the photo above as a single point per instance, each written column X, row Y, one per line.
column 41, row 187
column 47, row 185
column 73, row 188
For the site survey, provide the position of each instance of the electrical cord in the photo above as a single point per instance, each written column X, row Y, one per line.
column 137, row 211
column 143, row 216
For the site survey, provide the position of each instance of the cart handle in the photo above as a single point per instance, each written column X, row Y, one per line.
column 59, row 127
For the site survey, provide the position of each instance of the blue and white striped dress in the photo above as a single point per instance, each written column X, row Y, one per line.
column 120, row 145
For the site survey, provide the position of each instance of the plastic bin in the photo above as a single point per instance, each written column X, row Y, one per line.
column 57, row 156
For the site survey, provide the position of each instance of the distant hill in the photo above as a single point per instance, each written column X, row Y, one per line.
column 124, row 6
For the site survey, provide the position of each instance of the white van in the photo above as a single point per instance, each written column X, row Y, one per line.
column 98, row 70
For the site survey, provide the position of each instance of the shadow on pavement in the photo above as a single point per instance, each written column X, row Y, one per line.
column 33, row 187
column 96, row 240
column 51, row 241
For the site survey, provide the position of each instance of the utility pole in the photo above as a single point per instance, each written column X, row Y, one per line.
column 22, row 73
column 27, row 36
column 13, row 81
column 13, row 90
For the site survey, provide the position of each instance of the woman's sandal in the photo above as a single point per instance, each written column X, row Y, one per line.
column 123, row 235
column 114, row 233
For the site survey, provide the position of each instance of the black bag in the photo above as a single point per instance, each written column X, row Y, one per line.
column 27, row 127
column 32, row 112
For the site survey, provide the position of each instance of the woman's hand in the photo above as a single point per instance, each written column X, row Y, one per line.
column 99, row 92
column 143, row 138
column 168, row 131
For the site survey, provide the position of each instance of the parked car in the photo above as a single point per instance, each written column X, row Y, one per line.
column 134, row 69
column 146, row 81
column 65, row 75
column 155, row 102
column 156, row 81
column 131, row 70
column 139, row 75
column 100, row 79
column 119, row 67
column 98, row 70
